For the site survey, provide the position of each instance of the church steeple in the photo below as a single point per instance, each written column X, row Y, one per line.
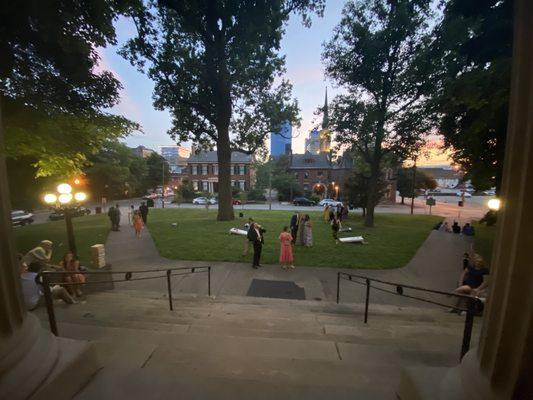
column 325, row 117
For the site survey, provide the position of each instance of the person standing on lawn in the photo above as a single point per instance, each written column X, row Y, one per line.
column 255, row 235
column 301, row 229
column 294, row 226
column 335, row 226
column 285, row 256
column 308, row 231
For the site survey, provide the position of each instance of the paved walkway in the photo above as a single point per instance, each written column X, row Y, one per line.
column 436, row 265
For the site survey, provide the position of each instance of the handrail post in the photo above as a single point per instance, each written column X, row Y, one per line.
column 209, row 281
column 338, row 285
column 367, row 299
column 49, row 304
column 469, row 323
column 169, row 286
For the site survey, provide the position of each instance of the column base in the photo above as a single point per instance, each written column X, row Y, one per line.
column 33, row 361
column 464, row 382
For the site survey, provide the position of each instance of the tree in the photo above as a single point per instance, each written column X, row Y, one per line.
column 50, row 89
column 404, row 183
column 158, row 171
column 116, row 172
column 378, row 53
column 214, row 63
column 471, row 100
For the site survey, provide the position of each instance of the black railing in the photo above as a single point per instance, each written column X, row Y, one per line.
column 473, row 304
column 46, row 281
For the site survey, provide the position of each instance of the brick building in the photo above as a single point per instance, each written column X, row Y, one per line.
column 202, row 171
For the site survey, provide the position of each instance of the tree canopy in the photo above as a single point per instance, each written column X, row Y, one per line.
column 214, row 63
column 471, row 100
column 378, row 53
column 407, row 187
column 51, row 89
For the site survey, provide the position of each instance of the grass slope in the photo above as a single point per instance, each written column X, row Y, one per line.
column 484, row 240
column 198, row 236
column 88, row 230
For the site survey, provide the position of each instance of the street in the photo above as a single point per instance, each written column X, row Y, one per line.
column 446, row 206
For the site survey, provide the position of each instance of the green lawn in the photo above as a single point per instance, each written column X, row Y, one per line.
column 198, row 236
column 484, row 240
column 88, row 230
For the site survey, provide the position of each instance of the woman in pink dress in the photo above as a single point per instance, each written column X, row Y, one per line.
column 138, row 223
column 285, row 255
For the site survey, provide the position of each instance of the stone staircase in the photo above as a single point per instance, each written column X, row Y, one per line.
column 253, row 348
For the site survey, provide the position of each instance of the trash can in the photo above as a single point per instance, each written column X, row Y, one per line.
column 98, row 210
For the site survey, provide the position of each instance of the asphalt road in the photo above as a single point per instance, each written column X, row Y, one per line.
column 446, row 206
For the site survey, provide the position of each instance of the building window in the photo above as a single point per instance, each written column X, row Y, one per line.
column 193, row 169
column 319, row 173
column 306, row 175
column 306, row 187
column 198, row 169
column 296, row 176
column 204, row 169
column 245, row 169
column 195, row 185
column 205, row 186
column 241, row 185
column 215, row 169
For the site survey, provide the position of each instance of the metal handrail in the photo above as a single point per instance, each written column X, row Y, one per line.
column 473, row 303
column 44, row 279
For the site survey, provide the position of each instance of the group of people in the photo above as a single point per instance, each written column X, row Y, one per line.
column 39, row 259
column 137, row 218
column 298, row 232
column 467, row 229
column 301, row 228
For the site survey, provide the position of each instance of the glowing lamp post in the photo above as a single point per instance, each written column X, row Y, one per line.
column 494, row 204
column 62, row 200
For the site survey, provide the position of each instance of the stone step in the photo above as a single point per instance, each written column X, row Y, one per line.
column 202, row 367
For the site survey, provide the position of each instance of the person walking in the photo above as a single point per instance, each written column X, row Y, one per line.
column 138, row 223
column 117, row 215
column 130, row 215
column 285, row 256
column 111, row 215
column 144, row 212
column 308, row 231
column 255, row 235
column 294, row 226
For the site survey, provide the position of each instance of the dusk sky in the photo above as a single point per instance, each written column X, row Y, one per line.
column 301, row 46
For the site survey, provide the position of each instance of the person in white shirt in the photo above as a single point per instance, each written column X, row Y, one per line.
column 32, row 291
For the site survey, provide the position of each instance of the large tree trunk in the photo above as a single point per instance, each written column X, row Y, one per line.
column 225, row 203
column 372, row 194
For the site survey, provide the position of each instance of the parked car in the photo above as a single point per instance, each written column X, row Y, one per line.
column 490, row 192
column 204, row 200
column 236, row 202
column 19, row 217
column 58, row 213
column 459, row 194
column 302, row 201
column 329, row 202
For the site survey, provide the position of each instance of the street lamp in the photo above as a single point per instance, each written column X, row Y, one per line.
column 62, row 200
column 494, row 204
column 337, row 192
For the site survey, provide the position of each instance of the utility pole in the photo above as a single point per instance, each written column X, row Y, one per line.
column 414, row 187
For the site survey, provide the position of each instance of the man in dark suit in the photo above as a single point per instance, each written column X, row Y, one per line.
column 294, row 227
column 143, row 209
column 255, row 235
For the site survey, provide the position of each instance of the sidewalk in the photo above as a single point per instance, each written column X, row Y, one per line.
column 436, row 265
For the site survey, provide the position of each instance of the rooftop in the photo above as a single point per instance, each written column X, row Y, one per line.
column 211, row 157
